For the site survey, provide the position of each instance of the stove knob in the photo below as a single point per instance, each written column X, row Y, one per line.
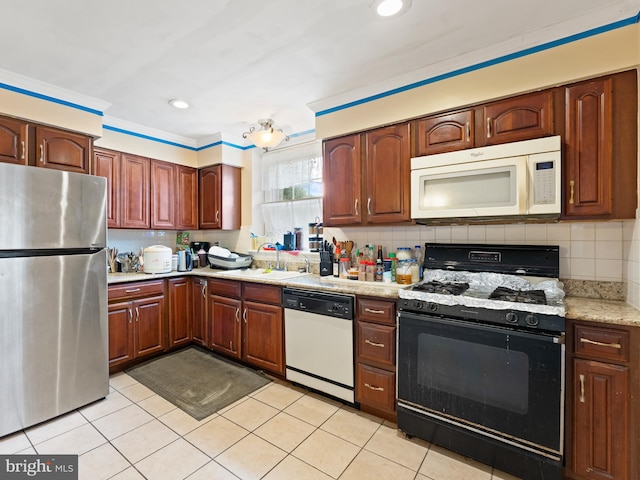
column 511, row 317
column 418, row 305
column 531, row 320
column 432, row 306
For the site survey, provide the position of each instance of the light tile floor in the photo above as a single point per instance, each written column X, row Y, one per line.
column 278, row 432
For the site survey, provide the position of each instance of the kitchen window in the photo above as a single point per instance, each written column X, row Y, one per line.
column 292, row 188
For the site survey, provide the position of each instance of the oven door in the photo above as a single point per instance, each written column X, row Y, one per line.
column 507, row 384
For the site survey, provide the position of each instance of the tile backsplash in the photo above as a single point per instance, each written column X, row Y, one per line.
column 591, row 251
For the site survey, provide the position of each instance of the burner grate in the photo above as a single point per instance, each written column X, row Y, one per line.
column 520, row 296
column 445, row 288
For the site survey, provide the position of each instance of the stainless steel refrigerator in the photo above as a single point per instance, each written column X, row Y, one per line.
column 53, row 294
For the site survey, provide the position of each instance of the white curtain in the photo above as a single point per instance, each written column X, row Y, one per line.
column 292, row 186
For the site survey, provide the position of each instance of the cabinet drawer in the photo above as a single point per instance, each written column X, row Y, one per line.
column 225, row 288
column 257, row 292
column 375, row 387
column 376, row 343
column 136, row 289
column 374, row 310
column 602, row 343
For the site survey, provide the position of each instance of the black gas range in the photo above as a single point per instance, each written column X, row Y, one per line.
column 481, row 356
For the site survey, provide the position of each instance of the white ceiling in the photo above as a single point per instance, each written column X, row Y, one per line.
column 236, row 61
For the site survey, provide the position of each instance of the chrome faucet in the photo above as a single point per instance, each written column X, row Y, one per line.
column 277, row 253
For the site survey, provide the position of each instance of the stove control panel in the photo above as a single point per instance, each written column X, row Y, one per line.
column 511, row 318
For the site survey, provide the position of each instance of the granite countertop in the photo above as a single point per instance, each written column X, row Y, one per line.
column 577, row 308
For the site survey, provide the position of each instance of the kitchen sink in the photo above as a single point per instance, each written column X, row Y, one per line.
column 262, row 273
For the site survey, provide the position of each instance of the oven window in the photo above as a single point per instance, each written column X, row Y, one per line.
column 473, row 370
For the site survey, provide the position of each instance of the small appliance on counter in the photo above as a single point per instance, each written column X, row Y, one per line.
column 224, row 259
column 157, row 259
column 185, row 262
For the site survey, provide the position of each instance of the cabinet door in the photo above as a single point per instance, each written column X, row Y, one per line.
column 120, row 333
column 263, row 336
column 224, row 319
column 199, row 311
column 589, row 149
column 445, row 133
column 600, row 420
column 519, row 118
column 62, row 150
column 13, row 141
column 210, row 182
column 180, row 310
column 163, row 195
column 149, row 325
column 388, row 160
column 106, row 163
column 342, row 196
column 186, row 198
column 134, row 193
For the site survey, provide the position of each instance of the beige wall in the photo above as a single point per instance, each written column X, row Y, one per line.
column 615, row 50
column 34, row 109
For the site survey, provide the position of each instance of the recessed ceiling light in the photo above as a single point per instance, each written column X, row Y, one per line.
column 389, row 8
column 177, row 103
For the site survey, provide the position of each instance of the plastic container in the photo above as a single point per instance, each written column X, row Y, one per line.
column 404, row 253
column 344, row 267
column 370, row 271
column 403, row 272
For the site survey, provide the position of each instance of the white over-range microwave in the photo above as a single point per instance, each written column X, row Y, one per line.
column 519, row 179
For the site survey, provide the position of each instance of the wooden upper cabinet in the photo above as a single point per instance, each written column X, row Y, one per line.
column 515, row 119
column 13, row 141
column 444, row 133
column 163, row 195
column 342, row 167
column 187, row 198
column 134, row 192
column 601, row 148
column 62, row 150
column 106, row 163
column 387, row 162
column 219, row 191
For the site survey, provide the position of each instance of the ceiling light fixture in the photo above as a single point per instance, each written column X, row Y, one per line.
column 389, row 8
column 177, row 103
column 266, row 137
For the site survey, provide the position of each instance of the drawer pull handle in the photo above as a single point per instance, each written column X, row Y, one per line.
column 572, row 185
column 23, row 149
column 137, row 314
column 602, row 344
column 244, row 315
column 369, row 205
column 488, row 127
column 468, row 131
column 377, row 312
column 133, row 290
column 374, row 344
column 581, row 388
column 377, row 389
column 355, row 206
column 237, row 314
column 130, row 316
column 41, row 153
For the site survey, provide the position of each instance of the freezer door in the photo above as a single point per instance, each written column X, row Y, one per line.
column 53, row 342
column 50, row 209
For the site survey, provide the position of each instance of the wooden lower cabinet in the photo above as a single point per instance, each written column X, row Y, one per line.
column 376, row 356
column 136, row 314
column 199, row 311
column 263, row 334
column 180, row 310
column 602, row 402
column 224, row 335
column 246, row 321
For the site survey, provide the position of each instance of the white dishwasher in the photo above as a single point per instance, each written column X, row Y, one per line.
column 319, row 341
